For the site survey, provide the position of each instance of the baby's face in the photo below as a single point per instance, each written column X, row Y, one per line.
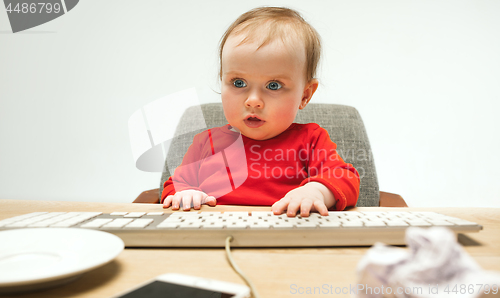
column 263, row 89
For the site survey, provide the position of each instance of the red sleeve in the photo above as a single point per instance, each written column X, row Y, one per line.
column 327, row 167
column 186, row 175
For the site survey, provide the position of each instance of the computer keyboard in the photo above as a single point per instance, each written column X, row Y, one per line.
column 249, row 229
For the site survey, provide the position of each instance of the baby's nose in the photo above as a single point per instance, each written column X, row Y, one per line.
column 254, row 101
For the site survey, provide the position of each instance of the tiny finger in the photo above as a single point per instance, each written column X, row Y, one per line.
column 211, row 201
column 280, row 206
column 167, row 201
column 186, row 201
column 176, row 201
column 293, row 207
column 197, row 200
column 321, row 208
column 305, row 207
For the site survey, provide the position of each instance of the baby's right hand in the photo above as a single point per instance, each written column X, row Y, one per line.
column 189, row 197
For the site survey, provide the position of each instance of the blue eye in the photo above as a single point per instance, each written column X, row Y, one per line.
column 239, row 84
column 274, row 86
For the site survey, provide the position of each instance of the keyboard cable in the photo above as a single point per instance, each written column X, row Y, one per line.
column 253, row 291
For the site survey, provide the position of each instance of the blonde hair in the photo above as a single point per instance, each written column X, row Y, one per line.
column 280, row 22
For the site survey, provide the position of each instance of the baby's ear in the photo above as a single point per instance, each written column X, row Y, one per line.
column 309, row 90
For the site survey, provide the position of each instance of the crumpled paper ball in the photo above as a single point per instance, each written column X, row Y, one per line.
column 434, row 265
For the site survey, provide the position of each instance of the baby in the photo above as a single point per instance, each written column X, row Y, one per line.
column 268, row 60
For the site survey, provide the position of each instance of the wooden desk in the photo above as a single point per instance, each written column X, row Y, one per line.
column 272, row 270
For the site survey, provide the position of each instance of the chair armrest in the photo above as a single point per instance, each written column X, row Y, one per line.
column 388, row 199
column 149, row 197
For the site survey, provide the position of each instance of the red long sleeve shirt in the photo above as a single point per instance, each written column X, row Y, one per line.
column 241, row 171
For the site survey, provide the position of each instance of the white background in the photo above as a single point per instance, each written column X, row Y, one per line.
column 423, row 74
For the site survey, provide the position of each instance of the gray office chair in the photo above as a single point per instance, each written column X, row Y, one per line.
column 343, row 124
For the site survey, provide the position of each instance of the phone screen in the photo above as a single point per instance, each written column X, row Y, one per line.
column 160, row 289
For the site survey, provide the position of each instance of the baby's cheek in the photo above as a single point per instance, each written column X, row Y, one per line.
column 286, row 114
column 229, row 110
column 230, row 113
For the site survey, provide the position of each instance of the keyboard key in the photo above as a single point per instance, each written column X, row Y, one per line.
column 118, row 223
column 259, row 225
column 329, row 224
column 306, row 224
column 89, row 215
column 262, row 214
column 39, row 224
column 208, row 214
column 235, row 214
column 418, row 223
column 176, row 214
column 283, row 225
column 25, row 216
column 168, row 225
column 352, row 224
column 155, row 213
column 441, row 223
column 237, row 225
column 190, row 225
column 346, row 213
column 315, row 216
column 374, row 223
column 462, row 222
column 118, row 213
column 193, row 216
column 174, row 220
column 394, row 223
column 140, row 223
column 135, row 214
column 96, row 223
column 211, row 219
column 30, row 220
column 19, row 224
column 62, row 224
column 213, row 225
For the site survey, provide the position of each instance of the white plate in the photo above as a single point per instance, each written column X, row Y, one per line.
column 39, row 258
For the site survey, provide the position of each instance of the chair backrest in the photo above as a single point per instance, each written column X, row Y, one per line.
column 343, row 123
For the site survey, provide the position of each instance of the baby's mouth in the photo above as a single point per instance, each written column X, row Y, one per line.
column 254, row 122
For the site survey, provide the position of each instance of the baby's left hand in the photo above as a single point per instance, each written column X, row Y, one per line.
column 307, row 198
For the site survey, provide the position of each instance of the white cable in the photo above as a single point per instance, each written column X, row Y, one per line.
column 253, row 291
